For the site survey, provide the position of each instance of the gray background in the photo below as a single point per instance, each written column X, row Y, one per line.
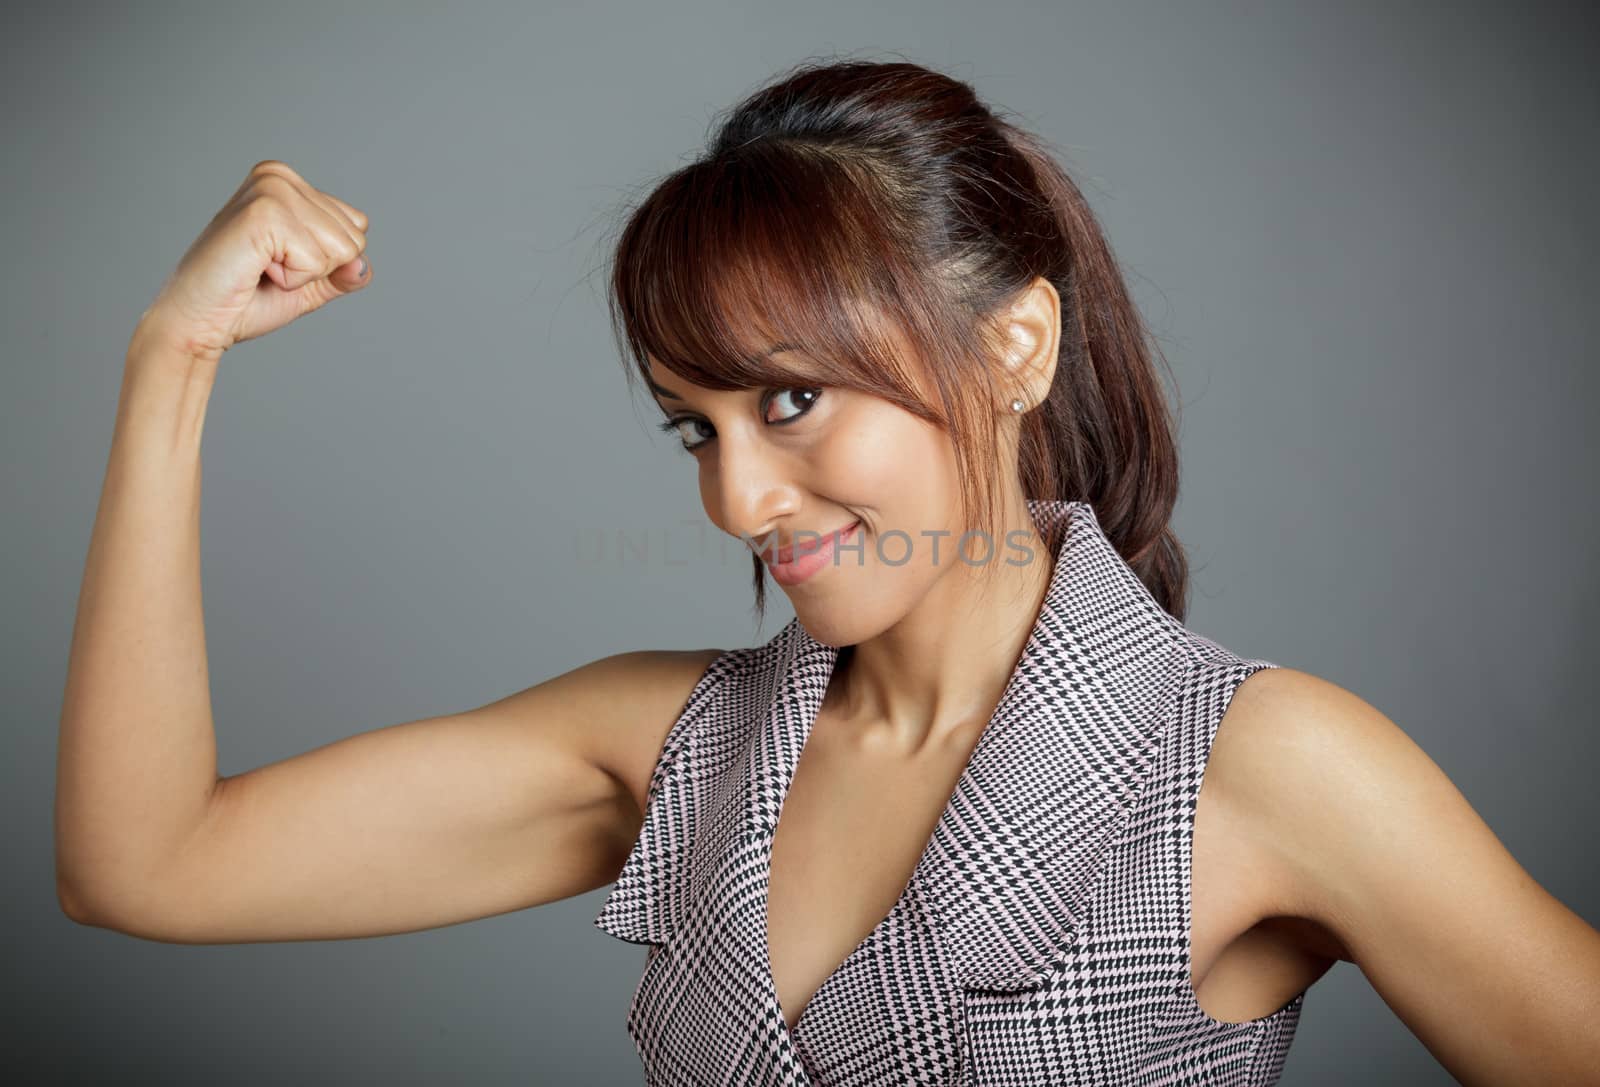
column 1362, row 231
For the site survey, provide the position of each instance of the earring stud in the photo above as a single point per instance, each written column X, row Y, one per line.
column 1017, row 405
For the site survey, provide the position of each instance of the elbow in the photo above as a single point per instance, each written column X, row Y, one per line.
column 71, row 894
column 85, row 912
column 72, row 903
column 84, row 905
column 129, row 915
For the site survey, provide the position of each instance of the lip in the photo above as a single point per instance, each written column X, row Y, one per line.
column 789, row 569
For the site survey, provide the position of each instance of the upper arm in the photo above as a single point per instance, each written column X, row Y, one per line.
column 531, row 798
column 1371, row 840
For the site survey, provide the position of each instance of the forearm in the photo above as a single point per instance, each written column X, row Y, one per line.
column 137, row 760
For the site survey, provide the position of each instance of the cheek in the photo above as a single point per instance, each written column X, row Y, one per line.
column 889, row 459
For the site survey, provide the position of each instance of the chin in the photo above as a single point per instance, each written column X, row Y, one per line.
column 841, row 619
column 827, row 626
column 836, row 624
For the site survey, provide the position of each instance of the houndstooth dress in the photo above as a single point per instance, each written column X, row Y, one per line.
column 1043, row 937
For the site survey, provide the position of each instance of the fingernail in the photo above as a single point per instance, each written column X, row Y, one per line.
column 361, row 269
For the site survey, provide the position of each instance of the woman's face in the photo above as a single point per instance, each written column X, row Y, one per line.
column 778, row 462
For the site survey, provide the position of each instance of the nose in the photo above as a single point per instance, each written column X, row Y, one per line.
column 753, row 486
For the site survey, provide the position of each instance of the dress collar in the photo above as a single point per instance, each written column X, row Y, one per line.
column 1014, row 860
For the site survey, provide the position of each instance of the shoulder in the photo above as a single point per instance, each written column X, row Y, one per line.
column 638, row 697
column 1366, row 838
column 1313, row 778
column 1343, row 810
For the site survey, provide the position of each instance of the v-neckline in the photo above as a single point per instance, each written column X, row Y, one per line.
column 788, row 767
column 786, row 777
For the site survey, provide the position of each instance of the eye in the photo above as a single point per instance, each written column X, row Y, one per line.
column 806, row 398
column 685, row 421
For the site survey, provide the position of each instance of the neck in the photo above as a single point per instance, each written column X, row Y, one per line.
column 941, row 670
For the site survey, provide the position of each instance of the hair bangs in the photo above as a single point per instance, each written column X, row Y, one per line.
column 734, row 262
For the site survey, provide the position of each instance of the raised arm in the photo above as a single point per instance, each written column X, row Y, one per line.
column 530, row 798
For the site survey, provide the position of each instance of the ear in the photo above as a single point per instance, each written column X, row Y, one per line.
column 1031, row 329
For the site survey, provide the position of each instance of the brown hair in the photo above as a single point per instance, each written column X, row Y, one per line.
column 855, row 210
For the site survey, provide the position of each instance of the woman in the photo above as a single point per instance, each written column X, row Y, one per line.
column 886, row 327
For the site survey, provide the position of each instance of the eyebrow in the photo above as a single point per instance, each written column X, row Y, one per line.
column 775, row 349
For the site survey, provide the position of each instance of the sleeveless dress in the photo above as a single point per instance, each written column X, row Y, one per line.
column 1043, row 937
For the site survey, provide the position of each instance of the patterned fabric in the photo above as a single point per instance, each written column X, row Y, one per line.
column 1043, row 937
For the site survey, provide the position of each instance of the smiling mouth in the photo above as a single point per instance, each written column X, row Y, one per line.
column 785, row 556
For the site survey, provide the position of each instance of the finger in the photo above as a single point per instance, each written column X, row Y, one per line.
column 295, row 244
column 319, row 241
column 304, row 259
column 262, row 169
column 353, row 275
column 340, row 211
column 275, row 171
column 351, row 270
column 337, row 239
column 357, row 217
column 283, row 173
column 335, row 215
column 279, row 274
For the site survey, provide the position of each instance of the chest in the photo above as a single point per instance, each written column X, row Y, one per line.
column 856, row 822
column 853, row 827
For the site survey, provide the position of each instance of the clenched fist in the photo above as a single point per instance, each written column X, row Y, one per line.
column 279, row 248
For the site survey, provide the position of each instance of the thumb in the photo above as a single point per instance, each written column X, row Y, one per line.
column 352, row 276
